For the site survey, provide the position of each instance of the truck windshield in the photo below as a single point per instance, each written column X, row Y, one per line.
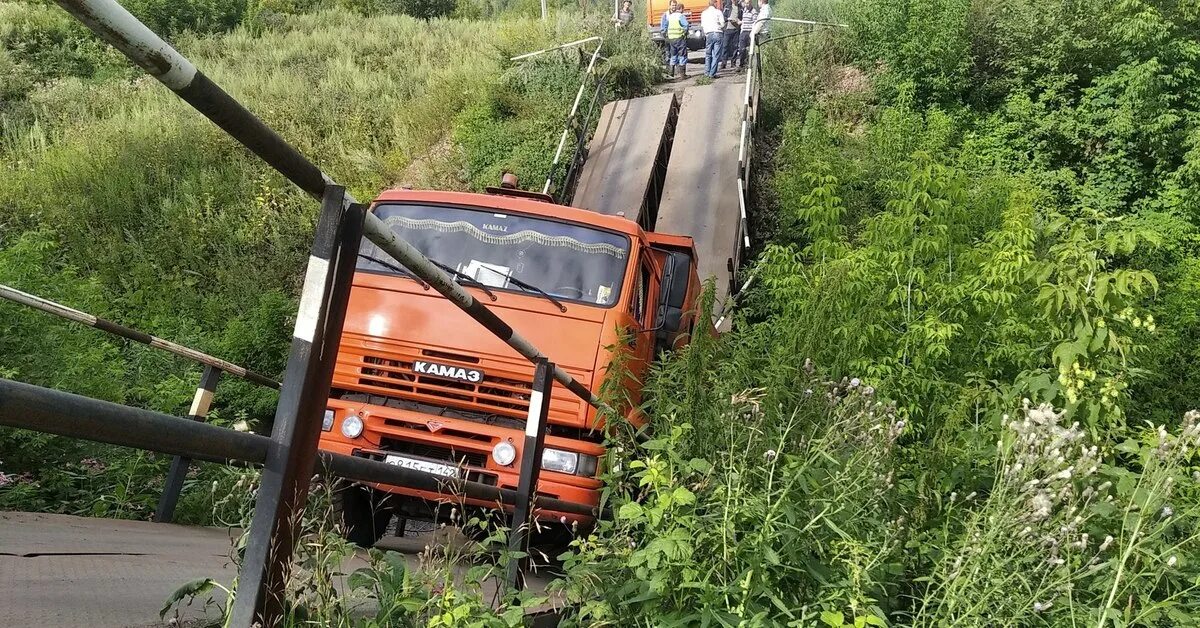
column 568, row 261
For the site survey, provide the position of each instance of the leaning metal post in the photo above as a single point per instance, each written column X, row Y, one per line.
column 179, row 464
column 531, row 459
column 112, row 23
column 291, row 458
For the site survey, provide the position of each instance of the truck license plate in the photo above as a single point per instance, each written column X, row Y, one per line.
column 445, row 470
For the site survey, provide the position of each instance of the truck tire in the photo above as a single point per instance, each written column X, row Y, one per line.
column 360, row 512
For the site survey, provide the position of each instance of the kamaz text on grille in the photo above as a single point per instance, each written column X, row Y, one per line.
column 450, row 372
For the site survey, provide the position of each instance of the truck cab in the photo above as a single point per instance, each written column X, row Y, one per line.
column 420, row 384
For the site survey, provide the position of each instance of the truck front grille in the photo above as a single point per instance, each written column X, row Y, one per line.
column 502, row 395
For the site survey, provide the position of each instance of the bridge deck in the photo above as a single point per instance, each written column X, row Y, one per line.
column 60, row 570
column 700, row 196
column 619, row 171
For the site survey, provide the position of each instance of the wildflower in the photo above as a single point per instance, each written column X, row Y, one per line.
column 1172, row 560
column 1042, row 606
column 1024, row 531
column 1104, row 487
column 1055, row 562
column 1196, row 476
column 241, row 426
column 1041, row 505
column 971, row 496
column 807, row 392
column 869, row 390
column 1166, row 512
column 1107, row 541
column 953, row 496
column 854, row 383
column 769, row 455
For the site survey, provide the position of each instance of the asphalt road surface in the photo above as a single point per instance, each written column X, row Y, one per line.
column 58, row 571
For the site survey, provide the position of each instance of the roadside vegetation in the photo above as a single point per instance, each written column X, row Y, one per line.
column 959, row 394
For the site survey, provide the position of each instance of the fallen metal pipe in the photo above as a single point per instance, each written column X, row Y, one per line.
column 30, row 407
column 112, row 23
column 72, row 314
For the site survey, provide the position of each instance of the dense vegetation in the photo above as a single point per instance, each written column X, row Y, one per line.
column 959, row 394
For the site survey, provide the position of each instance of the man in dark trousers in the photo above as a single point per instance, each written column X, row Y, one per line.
column 674, row 29
column 749, row 13
column 733, row 30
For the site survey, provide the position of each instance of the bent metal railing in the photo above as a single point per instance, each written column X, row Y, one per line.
column 289, row 456
column 573, row 123
column 201, row 401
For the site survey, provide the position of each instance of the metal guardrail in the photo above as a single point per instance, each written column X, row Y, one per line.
column 30, row 407
column 72, row 314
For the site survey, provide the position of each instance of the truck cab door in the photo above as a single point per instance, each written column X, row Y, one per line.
column 679, row 291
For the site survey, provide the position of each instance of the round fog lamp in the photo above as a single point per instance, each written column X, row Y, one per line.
column 504, row 453
column 352, row 426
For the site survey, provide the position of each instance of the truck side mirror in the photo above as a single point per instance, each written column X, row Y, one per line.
column 672, row 319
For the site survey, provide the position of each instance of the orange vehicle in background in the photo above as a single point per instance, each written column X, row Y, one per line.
column 419, row 384
column 691, row 9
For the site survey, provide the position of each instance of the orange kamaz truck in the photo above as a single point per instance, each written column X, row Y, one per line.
column 421, row 385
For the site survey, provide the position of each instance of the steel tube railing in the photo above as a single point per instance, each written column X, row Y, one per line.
column 562, row 140
column 112, row 23
column 30, row 407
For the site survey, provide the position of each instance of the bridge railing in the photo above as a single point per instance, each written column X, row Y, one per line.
column 751, row 103
column 201, row 401
column 575, row 125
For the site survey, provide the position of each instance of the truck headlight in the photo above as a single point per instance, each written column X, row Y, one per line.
column 569, row 462
column 327, row 422
column 561, row 461
column 352, row 426
column 504, row 453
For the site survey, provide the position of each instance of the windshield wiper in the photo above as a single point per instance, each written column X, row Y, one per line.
column 440, row 265
column 529, row 286
column 463, row 276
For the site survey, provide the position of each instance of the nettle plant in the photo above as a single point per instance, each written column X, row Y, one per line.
column 755, row 515
column 1063, row 537
column 952, row 291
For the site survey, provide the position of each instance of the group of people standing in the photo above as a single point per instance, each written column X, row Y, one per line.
column 727, row 34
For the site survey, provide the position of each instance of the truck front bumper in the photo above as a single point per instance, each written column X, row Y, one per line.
column 466, row 445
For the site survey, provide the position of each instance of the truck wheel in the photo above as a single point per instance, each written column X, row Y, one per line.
column 360, row 512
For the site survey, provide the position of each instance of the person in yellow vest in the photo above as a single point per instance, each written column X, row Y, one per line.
column 674, row 27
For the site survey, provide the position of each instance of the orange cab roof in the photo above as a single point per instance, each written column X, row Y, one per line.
column 512, row 204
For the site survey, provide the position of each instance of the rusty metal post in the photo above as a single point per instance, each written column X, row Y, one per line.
column 291, row 458
column 531, row 467
column 180, row 464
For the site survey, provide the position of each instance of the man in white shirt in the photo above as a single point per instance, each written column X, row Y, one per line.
column 761, row 23
column 712, row 22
